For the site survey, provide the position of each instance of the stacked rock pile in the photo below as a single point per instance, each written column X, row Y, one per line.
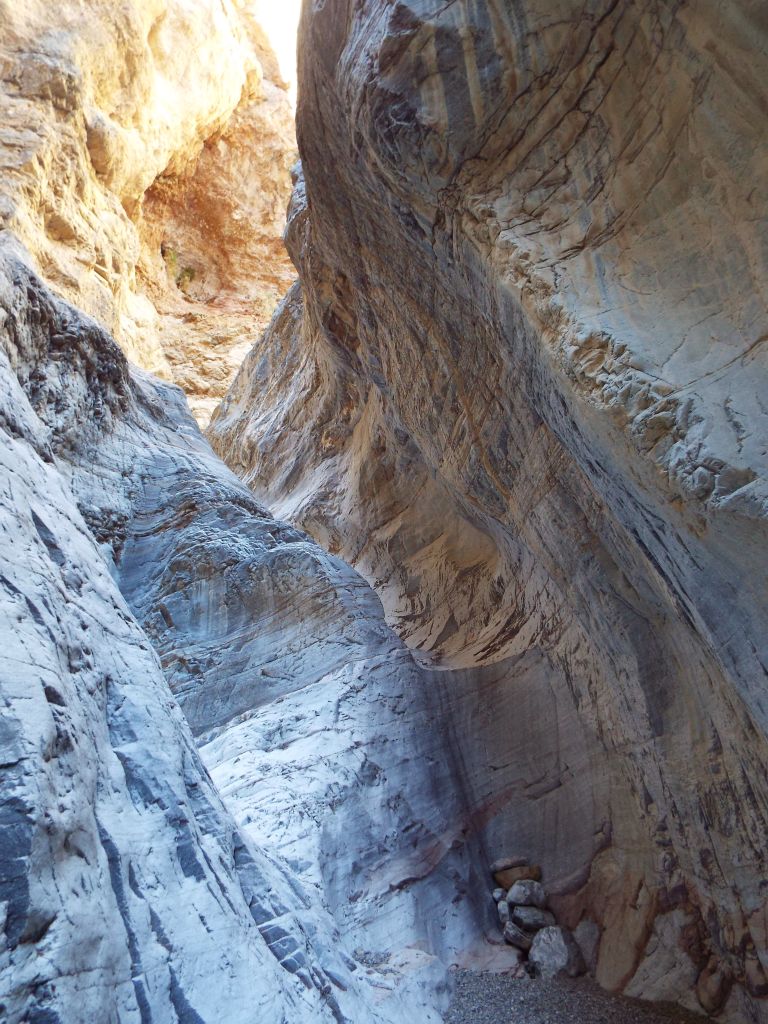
column 521, row 903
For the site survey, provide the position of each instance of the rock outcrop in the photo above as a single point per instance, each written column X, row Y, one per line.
column 521, row 389
column 145, row 153
column 128, row 892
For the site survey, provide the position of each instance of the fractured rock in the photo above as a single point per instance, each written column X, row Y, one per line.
column 527, row 893
column 554, row 951
column 532, row 919
column 516, row 936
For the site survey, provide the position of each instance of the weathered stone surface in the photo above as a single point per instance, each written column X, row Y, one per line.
column 587, row 936
column 129, row 890
column 531, row 919
column 504, row 863
column 498, row 895
column 515, row 936
column 527, row 894
column 520, row 390
column 145, row 151
column 502, row 908
column 554, row 951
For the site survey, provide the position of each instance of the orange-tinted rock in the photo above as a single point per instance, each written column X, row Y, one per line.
column 507, row 878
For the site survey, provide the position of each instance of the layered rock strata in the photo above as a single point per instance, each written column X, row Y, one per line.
column 128, row 891
column 145, row 153
column 521, row 389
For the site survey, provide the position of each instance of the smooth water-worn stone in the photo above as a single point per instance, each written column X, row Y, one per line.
column 505, row 863
column 139, row 582
column 520, row 389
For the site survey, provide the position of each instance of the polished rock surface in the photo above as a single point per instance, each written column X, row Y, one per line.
column 521, row 389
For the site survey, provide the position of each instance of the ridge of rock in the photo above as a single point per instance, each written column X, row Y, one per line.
column 520, row 389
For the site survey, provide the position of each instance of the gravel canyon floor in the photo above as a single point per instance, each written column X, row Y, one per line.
column 483, row 998
column 444, row 647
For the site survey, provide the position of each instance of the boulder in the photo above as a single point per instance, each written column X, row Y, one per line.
column 516, row 936
column 525, row 872
column 503, row 910
column 499, row 894
column 554, row 951
column 527, row 893
column 532, row 919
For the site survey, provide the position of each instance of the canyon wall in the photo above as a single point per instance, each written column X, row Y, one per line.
column 150, row 607
column 521, row 387
column 166, row 641
column 145, row 154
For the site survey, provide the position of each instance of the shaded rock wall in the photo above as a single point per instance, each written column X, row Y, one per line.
column 520, row 388
column 128, row 891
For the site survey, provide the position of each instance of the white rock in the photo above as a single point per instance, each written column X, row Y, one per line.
column 554, row 951
column 527, row 894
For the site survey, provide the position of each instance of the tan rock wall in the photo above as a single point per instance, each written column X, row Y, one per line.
column 119, row 124
column 521, row 390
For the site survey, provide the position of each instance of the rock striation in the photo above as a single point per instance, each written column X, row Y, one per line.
column 145, row 154
column 521, row 388
column 140, row 580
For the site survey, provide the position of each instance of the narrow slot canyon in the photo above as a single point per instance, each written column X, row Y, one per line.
column 383, row 512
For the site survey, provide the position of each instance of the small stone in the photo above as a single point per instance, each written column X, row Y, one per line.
column 509, row 876
column 554, row 951
column 508, row 862
column 532, row 919
column 527, row 893
column 516, row 936
column 503, row 908
column 499, row 895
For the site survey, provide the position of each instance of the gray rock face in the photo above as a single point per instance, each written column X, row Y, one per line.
column 527, row 894
column 128, row 890
column 531, row 919
column 554, row 951
column 520, row 389
column 110, row 822
column 515, row 936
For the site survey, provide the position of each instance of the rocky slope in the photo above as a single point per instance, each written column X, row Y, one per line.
column 145, row 152
column 521, row 389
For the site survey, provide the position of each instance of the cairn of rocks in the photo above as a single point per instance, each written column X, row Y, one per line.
column 527, row 924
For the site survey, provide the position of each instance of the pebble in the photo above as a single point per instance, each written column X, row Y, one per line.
column 482, row 998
